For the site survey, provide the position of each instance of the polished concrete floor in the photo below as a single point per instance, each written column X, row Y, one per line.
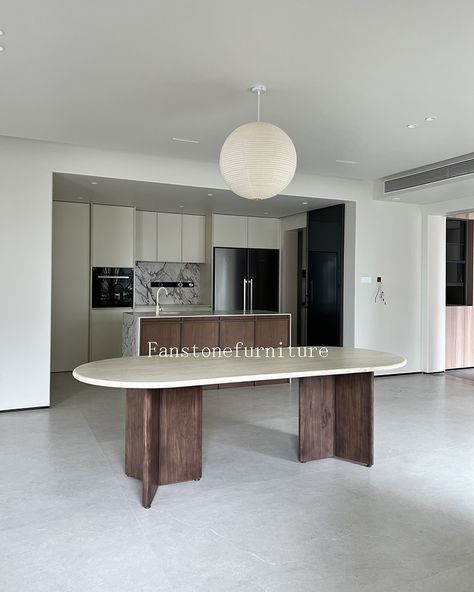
column 71, row 521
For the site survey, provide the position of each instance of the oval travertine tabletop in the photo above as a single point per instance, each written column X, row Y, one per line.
column 196, row 369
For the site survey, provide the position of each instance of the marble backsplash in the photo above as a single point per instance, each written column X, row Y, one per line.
column 147, row 272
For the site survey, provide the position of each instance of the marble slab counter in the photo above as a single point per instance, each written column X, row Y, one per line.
column 166, row 314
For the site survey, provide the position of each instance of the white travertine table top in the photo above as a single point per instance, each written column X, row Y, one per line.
column 197, row 369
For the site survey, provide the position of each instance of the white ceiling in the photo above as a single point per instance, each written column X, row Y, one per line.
column 175, row 198
column 344, row 77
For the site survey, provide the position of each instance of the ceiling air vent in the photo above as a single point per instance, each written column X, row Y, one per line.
column 449, row 171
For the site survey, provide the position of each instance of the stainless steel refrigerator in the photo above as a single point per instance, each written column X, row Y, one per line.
column 246, row 279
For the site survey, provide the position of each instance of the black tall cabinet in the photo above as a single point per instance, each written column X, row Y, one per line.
column 325, row 267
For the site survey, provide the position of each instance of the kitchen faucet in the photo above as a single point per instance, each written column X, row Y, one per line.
column 158, row 307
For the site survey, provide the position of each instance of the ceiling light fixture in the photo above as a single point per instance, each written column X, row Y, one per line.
column 2, row 32
column 412, row 125
column 396, row 198
column 430, row 118
column 305, row 203
column 94, row 183
column 188, row 141
column 2, row 48
column 258, row 159
column 210, row 195
column 346, row 161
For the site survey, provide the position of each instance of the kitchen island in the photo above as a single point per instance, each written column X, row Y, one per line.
column 163, row 436
column 145, row 333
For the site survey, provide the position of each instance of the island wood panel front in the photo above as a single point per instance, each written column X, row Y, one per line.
column 233, row 331
column 165, row 332
column 199, row 333
column 272, row 331
column 217, row 331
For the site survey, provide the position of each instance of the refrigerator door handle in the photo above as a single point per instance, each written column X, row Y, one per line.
column 251, row 293
column 245, row 294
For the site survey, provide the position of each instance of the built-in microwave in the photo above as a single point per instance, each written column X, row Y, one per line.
column 112, row 287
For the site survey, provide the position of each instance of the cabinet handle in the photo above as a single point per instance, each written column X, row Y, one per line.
column 251, row 293
column 245, row 294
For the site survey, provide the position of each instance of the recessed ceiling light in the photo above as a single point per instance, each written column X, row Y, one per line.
column 2, row 48
column 412, row 125
column 2, row 32
column 266, row 213
column 305, row 203
column 346, row 161
column 210, row 195
column 80, row 197
column 186, row 140
column 396, row 198
column 430, row 118
column 94, row 183
column 181, row 206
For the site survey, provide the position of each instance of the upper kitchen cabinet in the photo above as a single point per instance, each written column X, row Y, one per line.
column 145, row 236
column 169, row 238
column 263, row 233
column 178, row 238
column 112, row 236
column 230, row 231
column 246, row 232
column 193, row 239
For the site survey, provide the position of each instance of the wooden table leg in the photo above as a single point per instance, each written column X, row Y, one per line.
column 316, row 417
column 163, row 437
column 336, row 417
column 354, row 410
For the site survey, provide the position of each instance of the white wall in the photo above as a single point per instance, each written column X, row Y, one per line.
column 388, row 244
column 25, row 235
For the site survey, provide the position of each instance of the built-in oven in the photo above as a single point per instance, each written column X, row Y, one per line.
column 112, row 287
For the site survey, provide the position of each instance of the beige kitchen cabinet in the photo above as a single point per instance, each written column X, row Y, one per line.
column 145, row 236
column 179, row 238
column 193, row 239
column 229, row 231
column 112, row 236
column 168, row 237
column 246, row 232
column 106, row 333
column 263, row 233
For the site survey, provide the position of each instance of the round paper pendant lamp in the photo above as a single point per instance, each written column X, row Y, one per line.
column 258, row 160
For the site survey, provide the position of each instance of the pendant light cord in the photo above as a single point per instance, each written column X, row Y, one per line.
column 258, row 106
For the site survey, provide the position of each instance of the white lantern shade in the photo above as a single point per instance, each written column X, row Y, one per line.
column 258, row 160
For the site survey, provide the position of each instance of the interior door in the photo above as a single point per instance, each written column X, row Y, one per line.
column 230, row 270
column 263, row 270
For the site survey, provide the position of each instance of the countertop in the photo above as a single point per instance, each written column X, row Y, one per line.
column 198, row 369
column 137, row 314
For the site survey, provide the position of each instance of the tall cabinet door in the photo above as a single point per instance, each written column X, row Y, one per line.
column 325, row 276
column 263, row 271
column 230, row 270
column 70, row 286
